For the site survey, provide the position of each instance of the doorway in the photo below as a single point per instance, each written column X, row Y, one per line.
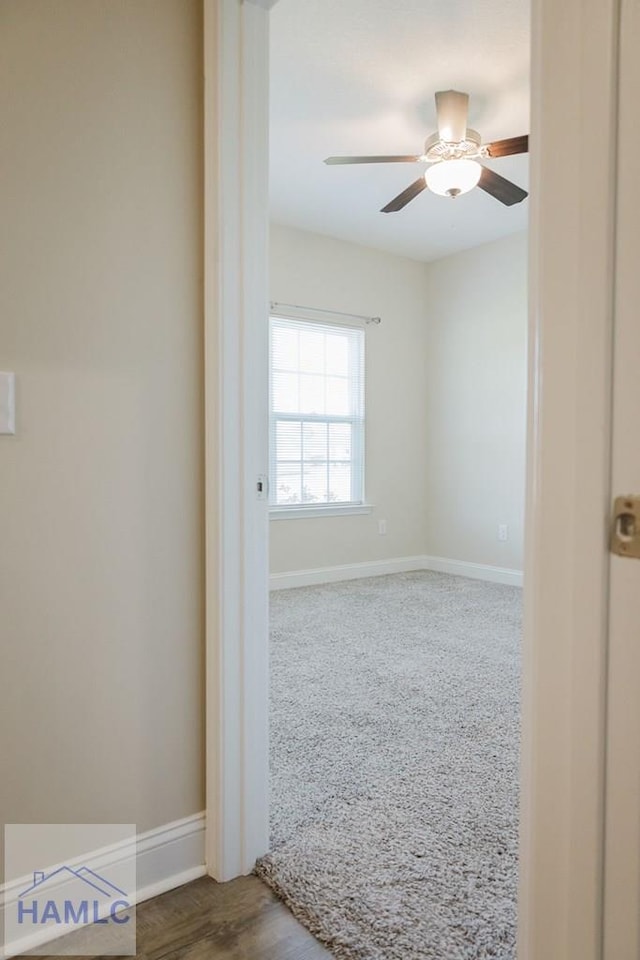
column 394, row 682
column 562, row 836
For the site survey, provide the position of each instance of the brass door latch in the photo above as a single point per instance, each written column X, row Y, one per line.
column 625, row 531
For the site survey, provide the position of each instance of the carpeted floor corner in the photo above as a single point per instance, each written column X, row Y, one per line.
column 394, row 758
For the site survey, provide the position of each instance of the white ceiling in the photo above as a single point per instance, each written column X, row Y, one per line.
column 358, row 77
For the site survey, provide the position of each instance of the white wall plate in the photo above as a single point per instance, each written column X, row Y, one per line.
column 7, row 403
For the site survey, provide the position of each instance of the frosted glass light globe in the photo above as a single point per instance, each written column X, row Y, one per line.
column 450, row 178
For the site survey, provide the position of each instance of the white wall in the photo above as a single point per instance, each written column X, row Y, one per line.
column 101, row 554
column 446, row 395
column 477, row 376
column 319, row 271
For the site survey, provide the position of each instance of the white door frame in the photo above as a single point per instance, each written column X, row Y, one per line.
column 236, row 120
column 622, row 830
column 574, row 92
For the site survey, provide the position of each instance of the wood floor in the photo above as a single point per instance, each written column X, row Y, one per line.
column 205, row 920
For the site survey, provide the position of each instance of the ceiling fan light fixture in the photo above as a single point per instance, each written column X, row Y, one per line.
column 451, row 178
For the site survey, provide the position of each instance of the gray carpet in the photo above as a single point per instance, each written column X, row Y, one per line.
column 394, row 739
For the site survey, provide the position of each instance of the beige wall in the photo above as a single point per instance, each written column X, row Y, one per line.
column 101, row 569
column 446, row 388
column 476, row 371
column 319, row 271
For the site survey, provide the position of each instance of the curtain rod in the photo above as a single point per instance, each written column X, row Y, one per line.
column 275, row 305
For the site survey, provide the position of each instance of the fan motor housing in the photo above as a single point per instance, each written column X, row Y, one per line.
column 436, row 149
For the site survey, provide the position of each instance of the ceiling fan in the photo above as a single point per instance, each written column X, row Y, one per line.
column 454, row 155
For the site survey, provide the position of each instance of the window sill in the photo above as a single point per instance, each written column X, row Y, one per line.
column 305, row 513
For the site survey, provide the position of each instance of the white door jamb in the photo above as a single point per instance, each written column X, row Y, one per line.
column 574, row 91
column 236, row 423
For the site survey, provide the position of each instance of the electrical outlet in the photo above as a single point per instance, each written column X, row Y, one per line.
column 382, row 527
column 503, row 532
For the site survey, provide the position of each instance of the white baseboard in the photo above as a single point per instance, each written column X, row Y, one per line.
column 348, row 571
column 170, row 856
column 476, row 571
column 166, row 857
column 380, row 568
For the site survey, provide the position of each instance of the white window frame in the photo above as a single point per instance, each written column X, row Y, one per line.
column 358, row 434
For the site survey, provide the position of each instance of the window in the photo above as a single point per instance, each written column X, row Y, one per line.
column 316, row 430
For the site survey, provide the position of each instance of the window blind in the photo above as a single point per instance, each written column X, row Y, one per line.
column 316, row 434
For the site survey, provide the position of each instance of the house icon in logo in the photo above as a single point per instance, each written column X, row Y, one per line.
column 85, row 874
column 71, row 897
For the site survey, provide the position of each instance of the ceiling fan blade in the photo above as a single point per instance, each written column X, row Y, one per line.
column 506, row 148
column 452, row 107
column 407, row 159
column 499, row 187
column 403, row 198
